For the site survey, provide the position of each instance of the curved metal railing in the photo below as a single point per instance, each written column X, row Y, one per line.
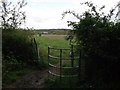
column 61, row 58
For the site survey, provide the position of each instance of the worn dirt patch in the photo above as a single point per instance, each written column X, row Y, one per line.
column 34, row 80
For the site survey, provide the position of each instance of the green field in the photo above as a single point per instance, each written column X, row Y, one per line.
column 53, row 40
column 57, row 41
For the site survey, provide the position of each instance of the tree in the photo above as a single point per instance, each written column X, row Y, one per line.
column 12, row 16
column 91, row 24
column 98, row 36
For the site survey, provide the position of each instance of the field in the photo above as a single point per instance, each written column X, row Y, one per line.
column 57, row 41
column 45, row 41
column 53, row 40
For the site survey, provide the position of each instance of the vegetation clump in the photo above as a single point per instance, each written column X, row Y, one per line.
column 98, row 36
column 19, row 48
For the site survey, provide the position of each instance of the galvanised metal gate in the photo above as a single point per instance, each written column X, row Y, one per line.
column 61, row 58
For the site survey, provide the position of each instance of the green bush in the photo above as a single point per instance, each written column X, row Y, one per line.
column 19, row 44
column 99, row 39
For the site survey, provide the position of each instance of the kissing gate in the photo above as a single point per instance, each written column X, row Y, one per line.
column 68, row 62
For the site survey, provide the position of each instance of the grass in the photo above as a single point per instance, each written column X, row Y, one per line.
column 53, row 41
column 12, row 76
column 63, row 83
column 57, row 41
column 18, row 54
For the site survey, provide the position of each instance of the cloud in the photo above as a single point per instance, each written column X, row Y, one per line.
column 47, row 13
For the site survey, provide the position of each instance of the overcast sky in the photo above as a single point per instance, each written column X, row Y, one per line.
column 46, row 14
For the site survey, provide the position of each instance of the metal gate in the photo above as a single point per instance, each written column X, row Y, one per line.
column 59, row 69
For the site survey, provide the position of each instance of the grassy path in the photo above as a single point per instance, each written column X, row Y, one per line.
column 37, row 78
column 33, row 80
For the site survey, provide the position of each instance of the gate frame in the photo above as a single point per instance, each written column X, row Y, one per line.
column 71, row 58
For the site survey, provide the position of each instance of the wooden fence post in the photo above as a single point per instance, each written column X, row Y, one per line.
column 37, row 49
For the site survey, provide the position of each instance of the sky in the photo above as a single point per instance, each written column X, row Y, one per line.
column 47, row 14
